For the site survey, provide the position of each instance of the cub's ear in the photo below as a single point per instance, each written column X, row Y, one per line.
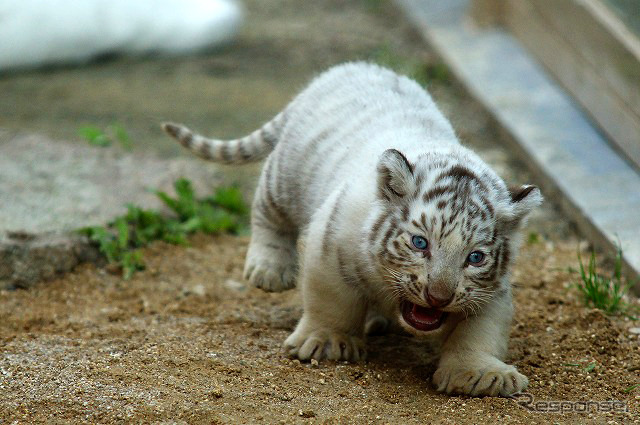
column 395, row 176
column 523, row 199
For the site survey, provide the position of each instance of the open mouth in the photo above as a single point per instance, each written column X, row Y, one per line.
column 422, row 318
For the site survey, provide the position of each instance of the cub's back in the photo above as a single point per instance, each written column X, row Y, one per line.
column 336, row 129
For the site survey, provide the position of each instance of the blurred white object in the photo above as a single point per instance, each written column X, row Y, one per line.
column 37, row 32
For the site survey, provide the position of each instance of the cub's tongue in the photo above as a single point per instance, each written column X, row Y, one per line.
column 422, row 318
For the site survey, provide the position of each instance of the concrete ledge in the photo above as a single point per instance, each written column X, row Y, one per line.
column 572, row 162
column 48, row 189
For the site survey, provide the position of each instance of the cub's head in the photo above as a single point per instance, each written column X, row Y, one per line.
column 446, row 234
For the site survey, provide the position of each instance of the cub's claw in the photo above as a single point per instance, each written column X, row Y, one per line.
column 481, row 378
column 320, row 345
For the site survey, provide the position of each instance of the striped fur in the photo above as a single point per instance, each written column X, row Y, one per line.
column 254, row 147
column 356, row 166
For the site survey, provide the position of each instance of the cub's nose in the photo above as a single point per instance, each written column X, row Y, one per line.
column 437, row 300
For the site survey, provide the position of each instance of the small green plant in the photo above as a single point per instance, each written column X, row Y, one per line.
column 437, row 72
column 588, row 368
column 374, row 5
column 94, row 136
column 97, row 137
column 121, row 136
column 604, row 293
column 631, row 388
column 119, row 242
column 424, row 73
column 533, row 238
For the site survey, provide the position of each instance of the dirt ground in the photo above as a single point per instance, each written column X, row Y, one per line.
column 186, row 341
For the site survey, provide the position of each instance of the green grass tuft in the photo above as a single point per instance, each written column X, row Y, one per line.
column 424, row 73
column 533, row 238
column 375, row 5
column 97, row 137
column 94, row 136
column 119, row 242
column 121, row 135
column 602, row 292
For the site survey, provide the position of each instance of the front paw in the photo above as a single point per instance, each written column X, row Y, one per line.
column 484, row 376
column 269, row 270
column 324, row 344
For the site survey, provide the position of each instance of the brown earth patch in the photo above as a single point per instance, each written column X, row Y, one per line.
column 187, row 340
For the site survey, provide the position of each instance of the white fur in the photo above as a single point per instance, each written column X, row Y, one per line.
column 38, row 32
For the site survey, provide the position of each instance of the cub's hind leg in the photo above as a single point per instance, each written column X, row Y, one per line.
column 271, row 262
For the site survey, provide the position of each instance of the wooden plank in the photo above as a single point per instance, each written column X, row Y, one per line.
column 610, row 101
column 628, row 11
column 487, row 12
column 600, row 38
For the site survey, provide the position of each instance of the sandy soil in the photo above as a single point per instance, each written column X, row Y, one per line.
column 186, row 341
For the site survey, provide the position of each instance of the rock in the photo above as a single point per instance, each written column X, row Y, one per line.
column 217, row 392
column 306, row 413
column 24, row 262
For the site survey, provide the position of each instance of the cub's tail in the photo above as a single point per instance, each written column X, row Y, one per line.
column 253, row 147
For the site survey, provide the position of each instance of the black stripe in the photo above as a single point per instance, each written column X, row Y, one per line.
column 205, row 150
column 271, row 202
column 376, row 227
column 450, row 231
column 186, row 139
column 242, row 150
column 224, row 152
column 350, row 277
column 330, row 230
column 435, row 193
column 387, row 236
column 423, row 220
column 504, row 258
column 458, row 173
column 269, row 138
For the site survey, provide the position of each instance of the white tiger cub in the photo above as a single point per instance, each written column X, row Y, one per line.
column 392, row 217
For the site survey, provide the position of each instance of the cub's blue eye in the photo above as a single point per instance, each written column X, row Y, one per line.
column 419, row 243
column 475, row 258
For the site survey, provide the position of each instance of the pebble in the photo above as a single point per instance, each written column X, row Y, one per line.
column 314, row 363
column 199, row 289
column 234, row 285
column 634, row 331
column 306, row 413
